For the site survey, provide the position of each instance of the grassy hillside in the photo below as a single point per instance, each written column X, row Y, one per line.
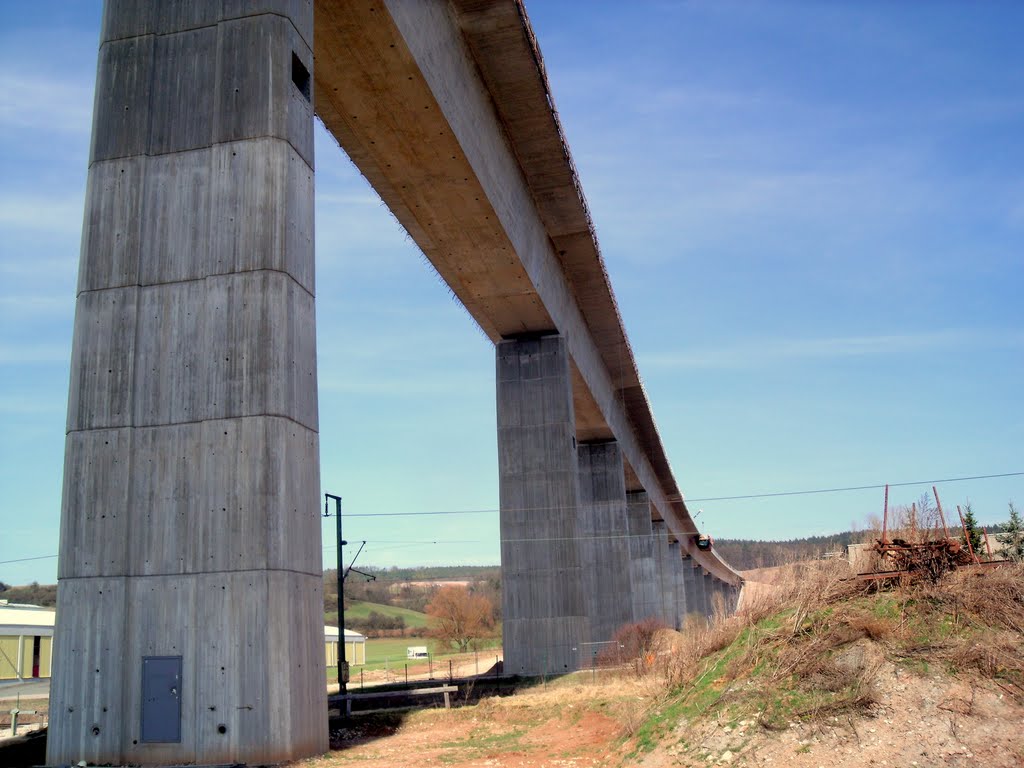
column 360, row 611
column 823, row 655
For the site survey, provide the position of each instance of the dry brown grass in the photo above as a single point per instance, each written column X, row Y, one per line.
column 973, row 621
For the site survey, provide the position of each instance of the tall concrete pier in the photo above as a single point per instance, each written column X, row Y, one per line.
column 190, row 623
column 545, row 621
column 604, row 543
column 643, row 569
column 689, row 585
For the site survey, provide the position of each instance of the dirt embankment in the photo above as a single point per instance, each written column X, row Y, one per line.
column 819, row 672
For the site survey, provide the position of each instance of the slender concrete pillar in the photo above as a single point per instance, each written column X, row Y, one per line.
column 701, row 606
column 689, row 585
column 604, row 543
column 190, row 615
column 709, row 594
column 545, row 622
column 665, row 592
column 643, row 567
column 675, row 563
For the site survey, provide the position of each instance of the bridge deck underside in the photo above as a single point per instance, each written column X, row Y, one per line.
column 476, row 170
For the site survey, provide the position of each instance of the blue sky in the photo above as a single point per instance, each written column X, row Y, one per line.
column 813, row 218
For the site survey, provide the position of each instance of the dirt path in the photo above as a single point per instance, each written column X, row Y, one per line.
column 562, row 725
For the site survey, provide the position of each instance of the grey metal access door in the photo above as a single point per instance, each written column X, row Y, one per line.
column 161, row 699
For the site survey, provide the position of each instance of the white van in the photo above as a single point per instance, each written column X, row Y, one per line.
column 416, row 652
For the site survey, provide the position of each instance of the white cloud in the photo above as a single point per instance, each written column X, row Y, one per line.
column 46, row 214
column 45, row 104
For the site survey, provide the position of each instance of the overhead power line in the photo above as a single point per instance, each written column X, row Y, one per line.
column 773, row 494
column 26, row 559
column 879, row 486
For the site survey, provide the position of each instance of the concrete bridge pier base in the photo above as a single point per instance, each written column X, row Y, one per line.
column 190, row 616
column 689, row 585
column 604, row 546
column 709, row 594
column 659, row 533
column 678, row 589
column 545, row 621
column 701, row 606
column 643, row 568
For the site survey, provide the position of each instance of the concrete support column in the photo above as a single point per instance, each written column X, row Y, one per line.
column 604, row 543
column 659, row 533
column 545, row 621
column 689, row 585
column 709, row 594
column 675, row 563
column 190, row 518
column 701, row 605
column 643, row 568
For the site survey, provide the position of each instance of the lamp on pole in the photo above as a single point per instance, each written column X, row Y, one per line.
column 342, row 661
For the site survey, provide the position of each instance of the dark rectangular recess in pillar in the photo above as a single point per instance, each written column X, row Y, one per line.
column 161, row 699
column 300, row 76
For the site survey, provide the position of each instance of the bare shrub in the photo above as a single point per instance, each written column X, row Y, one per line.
column 633, row 643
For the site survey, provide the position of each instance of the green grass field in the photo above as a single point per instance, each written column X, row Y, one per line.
column 391, row 653
column 360, row 610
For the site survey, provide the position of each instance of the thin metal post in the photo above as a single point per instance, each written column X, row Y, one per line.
column 885, row 517
column 342, row 660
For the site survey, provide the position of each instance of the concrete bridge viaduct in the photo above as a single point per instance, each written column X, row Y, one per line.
column 190, row 539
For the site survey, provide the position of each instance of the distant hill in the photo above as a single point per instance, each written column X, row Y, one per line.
column 32, row 594
column 746, row 554
column 375, row 618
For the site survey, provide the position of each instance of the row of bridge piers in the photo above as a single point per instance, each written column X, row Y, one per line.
column 581, row 556
column 190, row 625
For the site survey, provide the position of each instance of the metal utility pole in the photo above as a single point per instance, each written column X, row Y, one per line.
column 342, row 661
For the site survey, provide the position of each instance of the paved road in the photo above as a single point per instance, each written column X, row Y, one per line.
column 33, row 689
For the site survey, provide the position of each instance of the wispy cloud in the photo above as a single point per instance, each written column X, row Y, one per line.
column 45, row 104
column 44, row 214
column 766, row 352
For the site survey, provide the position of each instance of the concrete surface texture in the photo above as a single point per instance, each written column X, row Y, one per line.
column 659, row 534
column 604, row 545
column 673, row 566
column 707, row 583
column 643, row 568
column 189, row 524
column 680, row 585
column 689, row 585
column 545, row 621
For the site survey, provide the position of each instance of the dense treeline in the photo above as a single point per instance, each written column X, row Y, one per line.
column 398, row 587
column 744, row 554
